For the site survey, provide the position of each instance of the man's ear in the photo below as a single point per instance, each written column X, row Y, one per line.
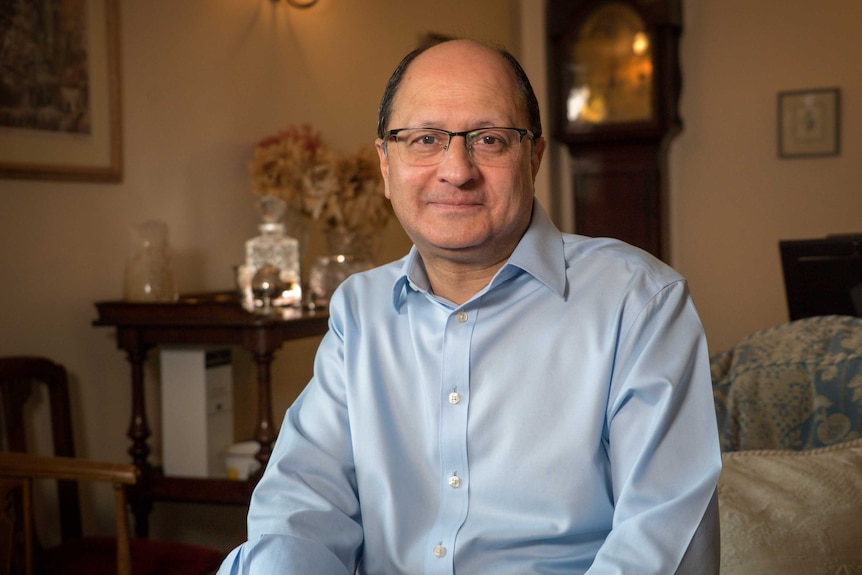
column 384, row 164
column 536, row 158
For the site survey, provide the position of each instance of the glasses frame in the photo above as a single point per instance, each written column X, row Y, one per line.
column 522, row 133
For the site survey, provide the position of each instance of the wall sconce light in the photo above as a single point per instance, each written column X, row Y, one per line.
column 298, row 3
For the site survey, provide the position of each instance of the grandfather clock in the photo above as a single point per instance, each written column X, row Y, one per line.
column 614, row 87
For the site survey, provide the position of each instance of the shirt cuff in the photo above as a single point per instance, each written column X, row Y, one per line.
column 270, row 554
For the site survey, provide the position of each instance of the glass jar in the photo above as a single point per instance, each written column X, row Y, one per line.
column 349, row 253
column 148, row 275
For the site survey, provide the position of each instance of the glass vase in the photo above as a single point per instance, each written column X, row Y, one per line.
column 348, row 253
column 149, row 276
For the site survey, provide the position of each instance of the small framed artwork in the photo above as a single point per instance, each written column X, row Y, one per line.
column 60, row 99
column 809, row 123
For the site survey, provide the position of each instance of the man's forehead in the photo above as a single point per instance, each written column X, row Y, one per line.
column 442, row 81
column 459, row 57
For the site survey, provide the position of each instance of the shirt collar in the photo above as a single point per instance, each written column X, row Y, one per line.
column 539, row 253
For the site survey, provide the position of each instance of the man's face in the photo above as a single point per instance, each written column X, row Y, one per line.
column 458, row 210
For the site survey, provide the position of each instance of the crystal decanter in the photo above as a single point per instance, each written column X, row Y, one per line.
column 272, row 247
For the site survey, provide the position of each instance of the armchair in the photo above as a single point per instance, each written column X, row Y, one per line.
column 76, row 554
column 17, row 472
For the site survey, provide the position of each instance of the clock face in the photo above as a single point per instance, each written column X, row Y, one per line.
column 610, row 69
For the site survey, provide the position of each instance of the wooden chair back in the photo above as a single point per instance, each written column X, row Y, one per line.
column 16, row 542
column 20, row 377
column 18, row 470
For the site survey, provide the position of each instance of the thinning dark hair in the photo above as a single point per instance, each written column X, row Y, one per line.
column 524, row 87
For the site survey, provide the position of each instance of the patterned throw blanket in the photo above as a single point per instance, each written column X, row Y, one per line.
column 794, row 386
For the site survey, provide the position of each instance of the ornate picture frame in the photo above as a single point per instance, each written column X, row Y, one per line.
column 809, row 123
column 60, row 116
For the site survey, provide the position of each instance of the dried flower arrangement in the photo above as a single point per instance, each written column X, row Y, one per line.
column 343, row 192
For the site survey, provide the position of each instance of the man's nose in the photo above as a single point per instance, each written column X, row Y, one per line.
column 457, row 165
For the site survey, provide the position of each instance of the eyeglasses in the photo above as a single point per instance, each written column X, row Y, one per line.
column 495, row 147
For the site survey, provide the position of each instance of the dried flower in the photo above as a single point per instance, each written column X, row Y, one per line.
column 282, row 161
column 341, row 191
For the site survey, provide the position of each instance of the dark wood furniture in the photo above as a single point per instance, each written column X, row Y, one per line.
column 200, row 319
column 25, row 383
column 18, row 471
column 615, row 84
column 822, row 276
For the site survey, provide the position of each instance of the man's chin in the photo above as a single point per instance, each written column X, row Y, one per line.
column 460, row 252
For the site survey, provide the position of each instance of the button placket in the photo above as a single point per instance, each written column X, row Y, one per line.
column 454, row 398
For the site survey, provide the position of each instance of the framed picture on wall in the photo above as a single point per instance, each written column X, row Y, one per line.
column 60, row 91
column 809, row 123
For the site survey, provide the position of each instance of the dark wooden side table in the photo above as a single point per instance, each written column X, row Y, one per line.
column 200, row 319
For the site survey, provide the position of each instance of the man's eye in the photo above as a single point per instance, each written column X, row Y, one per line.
column 428, row 139
column 490, row 140
column 423, row 139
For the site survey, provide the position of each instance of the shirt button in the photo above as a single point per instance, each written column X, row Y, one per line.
column 454, row 398
column 454, row 482
column 439, row 551
column 462, row 316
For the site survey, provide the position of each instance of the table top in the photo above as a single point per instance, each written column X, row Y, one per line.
column 203, row 309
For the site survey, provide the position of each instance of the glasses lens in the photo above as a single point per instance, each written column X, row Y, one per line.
column 421, row 146
column 494, row 146
column 487, row 147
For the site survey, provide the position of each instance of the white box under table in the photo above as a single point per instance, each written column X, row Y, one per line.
column 197, row 410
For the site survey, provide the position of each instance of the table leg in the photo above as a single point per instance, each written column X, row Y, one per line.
column 265, row 432
column 139, row 432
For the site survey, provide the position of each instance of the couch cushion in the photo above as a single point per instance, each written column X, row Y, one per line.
column 792, row 511
column 794, row 386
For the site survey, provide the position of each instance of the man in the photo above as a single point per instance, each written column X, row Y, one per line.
column 506, row 399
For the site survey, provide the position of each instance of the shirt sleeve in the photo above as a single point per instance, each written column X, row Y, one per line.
column 304, row 513
column 662, row 443
column 270, row 554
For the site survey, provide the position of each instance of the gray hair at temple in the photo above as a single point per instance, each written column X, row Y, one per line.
column 524, row 86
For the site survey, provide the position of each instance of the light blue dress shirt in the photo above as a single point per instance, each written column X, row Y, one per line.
column 561, row 421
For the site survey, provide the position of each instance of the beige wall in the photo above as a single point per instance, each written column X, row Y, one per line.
column 732, row 197
column 203, row 80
